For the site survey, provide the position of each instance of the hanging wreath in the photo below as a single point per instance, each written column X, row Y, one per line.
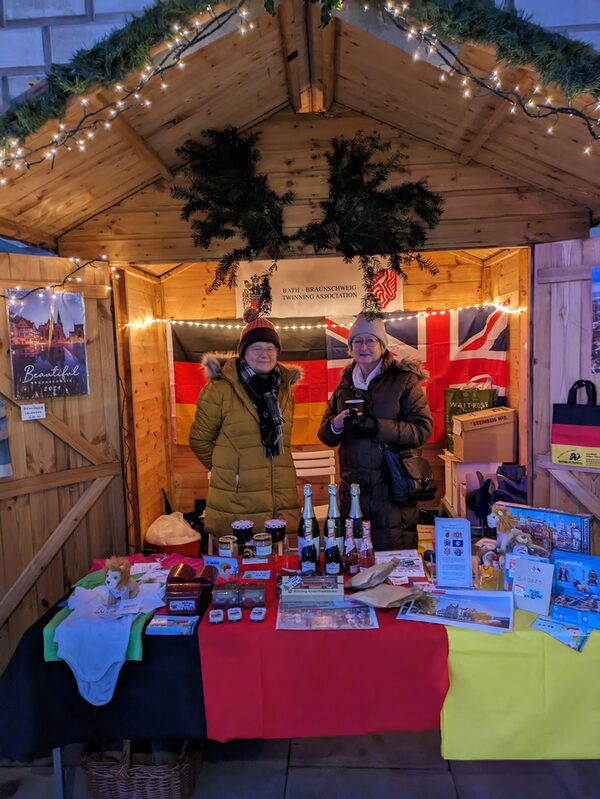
column 364, row 220
column 227, row 197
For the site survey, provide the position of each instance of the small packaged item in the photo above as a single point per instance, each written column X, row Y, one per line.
column 225, row 596
column 234, row 614
column 263, row 544
column 252, row 596
column 258, row 614
column 216, row 616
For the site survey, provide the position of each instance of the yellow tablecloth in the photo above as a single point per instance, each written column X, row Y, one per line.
column 521, row 696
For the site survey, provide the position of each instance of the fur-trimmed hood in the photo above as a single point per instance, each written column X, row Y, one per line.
column 214, row 364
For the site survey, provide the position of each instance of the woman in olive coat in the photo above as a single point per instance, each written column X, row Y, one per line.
column 396, row 413
column 242, row 433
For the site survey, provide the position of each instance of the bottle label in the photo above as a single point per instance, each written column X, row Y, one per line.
column 349, row 545
column 332, row 568
column 353, row 568
column 307, row 566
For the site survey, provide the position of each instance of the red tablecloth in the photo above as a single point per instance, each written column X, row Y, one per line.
column 260, row 682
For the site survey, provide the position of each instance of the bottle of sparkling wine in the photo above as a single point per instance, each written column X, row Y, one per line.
column 350, row 560
column 308, row 522
column 366, row 554
column 355, row 514
column 332, row 558
column 309, row 560
column 333, row 515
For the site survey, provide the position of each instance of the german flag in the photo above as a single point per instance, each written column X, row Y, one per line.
column 303, row 344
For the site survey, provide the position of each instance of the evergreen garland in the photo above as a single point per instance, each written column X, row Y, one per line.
column 109, row 61
column 571, row 65
column 232, row 199
column 363, row 220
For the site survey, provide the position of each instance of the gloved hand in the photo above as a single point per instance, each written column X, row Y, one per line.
column 365, row 427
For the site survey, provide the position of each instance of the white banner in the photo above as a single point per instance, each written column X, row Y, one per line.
column 319, row 287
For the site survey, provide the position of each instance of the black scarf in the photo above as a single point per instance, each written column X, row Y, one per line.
column 263, row 391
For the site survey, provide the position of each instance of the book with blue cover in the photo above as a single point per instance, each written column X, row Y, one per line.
column 554, row 529
column 576, row 589
column 171, row 625
column 569, row 634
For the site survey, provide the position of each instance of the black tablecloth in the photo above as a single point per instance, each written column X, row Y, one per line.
column 158, row 697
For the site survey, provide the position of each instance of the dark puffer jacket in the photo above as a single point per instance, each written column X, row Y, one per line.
column 398, row 403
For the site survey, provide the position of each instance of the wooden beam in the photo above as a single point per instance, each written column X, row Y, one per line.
column 137, row 142
column 499, row 257
column 14, row 229
column 60, row 429
column 89, row 290
column 567, row 479
column 488, row 122
column 66, row 477
column 545, row 462
column 469, row 257
column 50, row 549
column 322, row 52
column 291, row 16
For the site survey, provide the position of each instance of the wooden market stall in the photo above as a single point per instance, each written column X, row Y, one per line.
column 508, row 190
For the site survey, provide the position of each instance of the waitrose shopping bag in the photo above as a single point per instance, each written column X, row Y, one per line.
column 576, row 428
column 474, row 395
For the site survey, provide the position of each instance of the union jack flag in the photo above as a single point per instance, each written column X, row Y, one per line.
column 454, row 346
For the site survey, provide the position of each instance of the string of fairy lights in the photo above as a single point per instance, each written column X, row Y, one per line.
column 94, row 120
column 16, row 297
column 535, row 103
column 538, row 105
column 150, row 320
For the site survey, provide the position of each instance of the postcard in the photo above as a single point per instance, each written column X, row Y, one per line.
column 257, row 574
column 47, row 344
column 409, row 568
column 453, row 553
column 487, row 611
column 226, row 566
column 569, row 634
column 532, row 585
column 344, row 615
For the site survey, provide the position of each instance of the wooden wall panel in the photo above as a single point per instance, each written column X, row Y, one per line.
column 483, row 207
column 562, row 316
column 148, row 383
column 27, row 521
column 509, row 282
column 458, row 282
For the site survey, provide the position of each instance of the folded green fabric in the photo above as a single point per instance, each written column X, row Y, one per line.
column 93, row 580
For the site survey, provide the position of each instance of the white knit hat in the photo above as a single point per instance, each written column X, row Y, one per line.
column 363, row 326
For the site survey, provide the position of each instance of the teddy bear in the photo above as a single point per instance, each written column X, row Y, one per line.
column 119, row 581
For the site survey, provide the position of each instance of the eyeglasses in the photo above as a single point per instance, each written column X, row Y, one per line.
column 370, row 341
column 259, row 349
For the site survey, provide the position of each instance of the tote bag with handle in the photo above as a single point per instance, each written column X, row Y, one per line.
column 576, row 428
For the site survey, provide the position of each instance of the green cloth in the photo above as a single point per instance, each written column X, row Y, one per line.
column 520, row 696
column 93, row 580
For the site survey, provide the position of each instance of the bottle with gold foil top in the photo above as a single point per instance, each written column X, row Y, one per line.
column 333, row 515
column 355, row 514
column 308, row 522
column 366, row 553
column 350, row 559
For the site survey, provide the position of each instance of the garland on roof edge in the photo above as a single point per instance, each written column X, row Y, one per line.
column 361, row 219
column 572, row 65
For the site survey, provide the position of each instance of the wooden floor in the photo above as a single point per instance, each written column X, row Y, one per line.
column 370, row 767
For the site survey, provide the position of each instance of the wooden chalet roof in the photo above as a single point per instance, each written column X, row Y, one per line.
column 300, row 84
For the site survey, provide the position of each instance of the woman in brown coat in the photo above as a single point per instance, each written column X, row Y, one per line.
column 395, row 413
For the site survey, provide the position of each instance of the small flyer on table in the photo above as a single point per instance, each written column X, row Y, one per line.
column 569, row 634
column 410, row 566
column 453, row 553
column 532, row 585
column 487, row 611
column 334, row 616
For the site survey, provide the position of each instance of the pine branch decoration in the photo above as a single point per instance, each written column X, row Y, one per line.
column 227, row 197
column 364, row 219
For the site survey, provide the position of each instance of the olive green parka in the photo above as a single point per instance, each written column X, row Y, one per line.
column 225, row 436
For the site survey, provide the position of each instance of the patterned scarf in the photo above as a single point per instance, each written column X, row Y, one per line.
column 263, row 393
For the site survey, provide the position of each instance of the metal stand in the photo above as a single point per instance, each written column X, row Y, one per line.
column 59, row 785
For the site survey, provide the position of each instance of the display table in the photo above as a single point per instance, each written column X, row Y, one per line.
column 521, row 696
column 266, row 683
column 159, row 697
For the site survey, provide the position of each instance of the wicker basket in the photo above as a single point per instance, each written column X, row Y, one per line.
column 108, row 779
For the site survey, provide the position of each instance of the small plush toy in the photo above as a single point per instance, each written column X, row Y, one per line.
column 119, row 581
column 509, row 537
